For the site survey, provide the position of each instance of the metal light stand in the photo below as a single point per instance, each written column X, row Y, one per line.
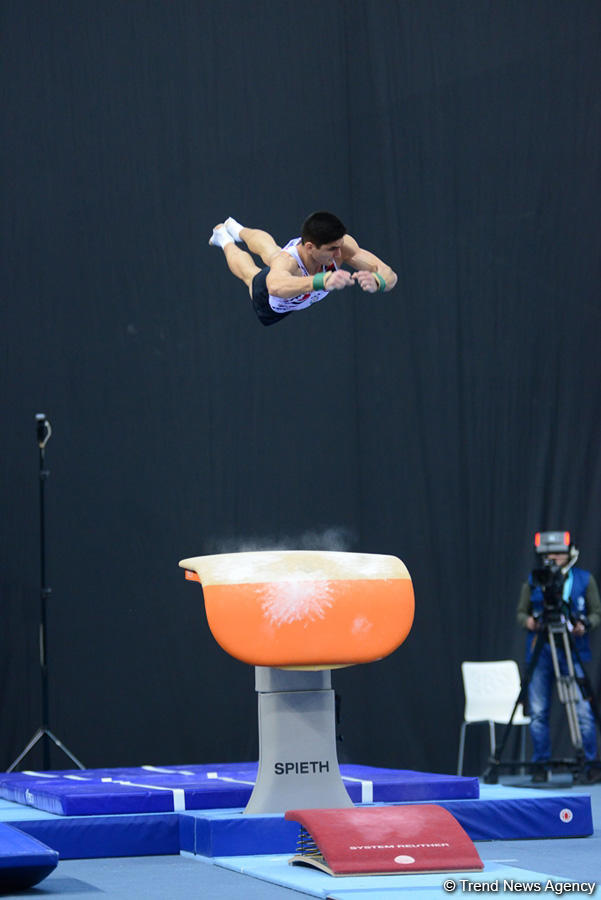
column 43, row 432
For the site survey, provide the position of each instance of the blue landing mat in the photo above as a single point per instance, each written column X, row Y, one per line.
column 276, row 870
column 98, row 837
column 24, row 861
column 149, row 789
column 501, row 813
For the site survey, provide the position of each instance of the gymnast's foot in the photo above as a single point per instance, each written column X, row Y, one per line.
column 233, row 229
column 220, row 236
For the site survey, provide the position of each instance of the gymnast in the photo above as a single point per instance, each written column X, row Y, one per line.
column 305, row 270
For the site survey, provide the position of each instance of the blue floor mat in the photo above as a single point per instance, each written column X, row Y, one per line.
column 276, row 870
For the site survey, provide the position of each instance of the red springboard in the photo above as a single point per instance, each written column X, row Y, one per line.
column 385, row 839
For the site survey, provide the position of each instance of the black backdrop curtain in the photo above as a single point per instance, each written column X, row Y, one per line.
column 444, row 422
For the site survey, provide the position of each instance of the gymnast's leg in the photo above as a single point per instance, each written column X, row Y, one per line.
column 259, row 242
column 240, row 263
column 243, row 266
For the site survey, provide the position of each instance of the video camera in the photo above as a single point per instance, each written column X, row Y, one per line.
column 550, row 576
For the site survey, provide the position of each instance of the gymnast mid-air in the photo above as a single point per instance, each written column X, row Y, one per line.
column 305, row 270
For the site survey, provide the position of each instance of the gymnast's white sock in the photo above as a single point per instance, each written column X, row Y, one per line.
column 233, row 229
column 220, row 237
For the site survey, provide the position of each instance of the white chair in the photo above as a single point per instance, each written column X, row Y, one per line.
column 491, row 689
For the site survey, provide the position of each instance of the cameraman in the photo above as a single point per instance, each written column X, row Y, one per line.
column 558, row 591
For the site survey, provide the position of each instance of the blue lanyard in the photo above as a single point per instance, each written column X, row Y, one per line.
column 567, row 586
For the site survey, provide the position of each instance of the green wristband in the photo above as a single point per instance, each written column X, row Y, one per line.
column 381, row 281
column 318, row 281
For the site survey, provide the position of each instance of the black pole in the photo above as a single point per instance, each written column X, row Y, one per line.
column 43, row 432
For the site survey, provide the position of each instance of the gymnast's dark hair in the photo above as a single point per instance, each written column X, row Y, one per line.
column 322, row 228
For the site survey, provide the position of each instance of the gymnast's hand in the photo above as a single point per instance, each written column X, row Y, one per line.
column 336, row 281
column 366, row 281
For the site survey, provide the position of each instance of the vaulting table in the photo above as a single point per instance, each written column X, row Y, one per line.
column 295, row 615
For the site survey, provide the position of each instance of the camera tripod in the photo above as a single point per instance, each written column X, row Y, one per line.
column 570, row 690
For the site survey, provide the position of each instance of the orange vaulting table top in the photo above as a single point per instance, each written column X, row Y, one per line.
column 304, row 608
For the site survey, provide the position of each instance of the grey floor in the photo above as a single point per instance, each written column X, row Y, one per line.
column 166, row 877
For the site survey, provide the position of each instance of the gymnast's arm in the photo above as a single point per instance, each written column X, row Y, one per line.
column 367, row 264
column 285, row 281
